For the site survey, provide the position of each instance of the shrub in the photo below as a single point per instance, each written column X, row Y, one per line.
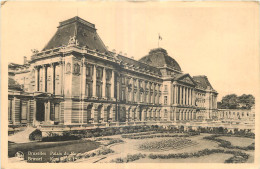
column 36, row 135
column 227, row 144
column 239, row 157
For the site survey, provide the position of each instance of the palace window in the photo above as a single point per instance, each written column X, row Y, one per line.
column 108, row 75
column 88, row 90
column 57, row 112
column 123, row 94
column 99, row 74
column 159, row 99
column 165, row 100
column 88, row 71
column 165, row 113
column 24, row 111
column 98, row 91
column 108, row 91
column 135, row 97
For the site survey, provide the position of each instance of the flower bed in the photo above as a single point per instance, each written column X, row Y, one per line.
column 227, row 144
column 239, row 157
column 146, row 135
column 128, row 158
column 176, row 143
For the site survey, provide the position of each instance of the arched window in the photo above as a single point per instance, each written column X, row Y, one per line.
column 165, row 113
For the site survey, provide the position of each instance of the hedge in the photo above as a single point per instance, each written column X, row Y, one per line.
column 227, row 144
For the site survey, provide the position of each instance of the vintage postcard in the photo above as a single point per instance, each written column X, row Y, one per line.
column 144, row 84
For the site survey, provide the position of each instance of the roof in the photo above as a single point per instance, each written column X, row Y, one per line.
column 159, row 58
column 12, row 84
column 82, row 31
column 135, row 63
column 202, row 81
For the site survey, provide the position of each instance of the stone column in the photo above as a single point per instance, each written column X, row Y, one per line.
column 62, row 69
column 34, row 112
column 187, row 96
column 181, row 98
column 157, row 96
column 189, row 102
column 138, row 91
column 45, row 77
column 149, row 93
column 83, row 92
column 51, row 78
column 153, row 99
column 184, row 95
column 177, row 94
column 113, row 85
column 173, row 94
column 94, row 81
column 36, row 78
column 104, row 83
column 192, row 97
column 133, row 88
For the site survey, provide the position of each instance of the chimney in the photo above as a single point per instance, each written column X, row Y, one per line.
column 25, row 60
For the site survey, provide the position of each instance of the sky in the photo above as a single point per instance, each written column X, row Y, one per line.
column 219, row 40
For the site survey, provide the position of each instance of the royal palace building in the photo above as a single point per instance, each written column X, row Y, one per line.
column 76, row 80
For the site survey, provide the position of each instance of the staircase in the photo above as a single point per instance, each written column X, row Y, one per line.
column 21, row 137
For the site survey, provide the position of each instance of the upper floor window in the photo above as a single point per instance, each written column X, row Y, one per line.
column 99, row 73
column 88, row 71
column 165, row 100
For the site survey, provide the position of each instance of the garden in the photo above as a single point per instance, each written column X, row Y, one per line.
column 145, row 144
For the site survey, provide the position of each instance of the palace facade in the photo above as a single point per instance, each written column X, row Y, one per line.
column 76, row 80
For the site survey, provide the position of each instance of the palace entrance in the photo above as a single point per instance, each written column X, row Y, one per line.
column 40, row 111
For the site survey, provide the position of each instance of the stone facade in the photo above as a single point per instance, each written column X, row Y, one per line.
column 75, row 80
column 236, row 114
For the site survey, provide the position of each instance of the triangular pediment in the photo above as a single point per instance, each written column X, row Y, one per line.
column 186, row 79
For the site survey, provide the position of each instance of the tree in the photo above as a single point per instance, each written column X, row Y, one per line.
column 246, row 101
column 232, row 101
